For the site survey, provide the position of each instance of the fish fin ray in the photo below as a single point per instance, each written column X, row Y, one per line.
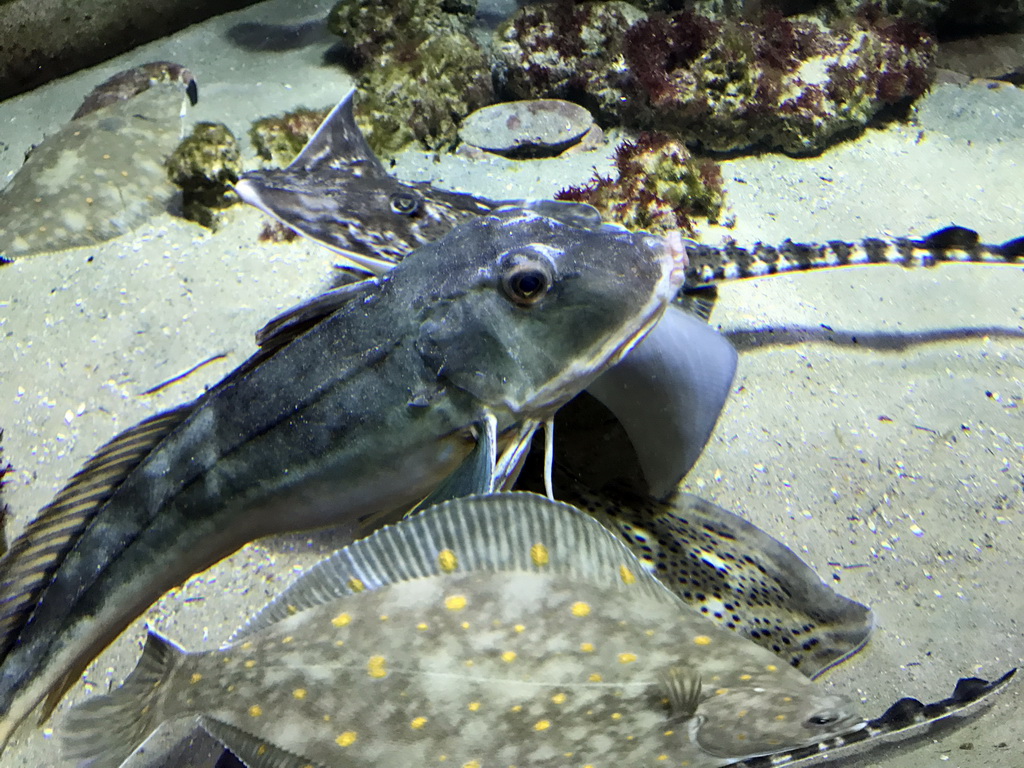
column 300, row 318
column 36, row 554
column 475, row 475
column 682, row 687
column 339, row 142
column 511, row 460
column 699, row 301
column 549, row 456
column 515, row 531
column 105, row 730
column 251, row 750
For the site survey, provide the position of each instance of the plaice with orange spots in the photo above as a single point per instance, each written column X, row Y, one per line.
column 447, row 639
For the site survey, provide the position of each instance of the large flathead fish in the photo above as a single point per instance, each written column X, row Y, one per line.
column 667, row 393
column 348, row 424
column 497, row 630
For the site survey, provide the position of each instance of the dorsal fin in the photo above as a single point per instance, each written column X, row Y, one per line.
column 38, row 551
column 338, row 142
column 300, row 318
column 499, row 532
column 953, row 236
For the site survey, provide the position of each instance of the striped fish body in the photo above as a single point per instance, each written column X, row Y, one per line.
column 502, row 630
column 711, row 264
column 349, row 424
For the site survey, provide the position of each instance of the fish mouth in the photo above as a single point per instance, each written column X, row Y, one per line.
column 671, row 251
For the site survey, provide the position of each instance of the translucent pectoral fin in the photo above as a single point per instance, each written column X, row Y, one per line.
column 476, row 475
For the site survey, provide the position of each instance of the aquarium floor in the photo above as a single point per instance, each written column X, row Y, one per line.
column 877, row 431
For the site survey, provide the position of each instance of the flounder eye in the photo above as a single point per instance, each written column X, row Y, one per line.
column 823, row 718
column 404, row 203
column 527, row 282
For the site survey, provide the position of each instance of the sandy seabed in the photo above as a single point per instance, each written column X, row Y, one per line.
column 876, row 426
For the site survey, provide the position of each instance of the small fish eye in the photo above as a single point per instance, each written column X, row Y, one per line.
column 526, row 283
column 823, row 718
column 404, row 203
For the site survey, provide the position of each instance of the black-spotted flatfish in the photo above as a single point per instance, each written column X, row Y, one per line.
column 733, row 573
column 497, row 630
column 103, row 173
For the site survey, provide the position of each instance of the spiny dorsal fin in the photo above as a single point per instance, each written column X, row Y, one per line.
column 251, row 751
column 500, row 532
column 683, row 688
column 36, row 554
column 300, row 318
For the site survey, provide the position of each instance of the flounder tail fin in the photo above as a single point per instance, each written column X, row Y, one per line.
column 105, row 730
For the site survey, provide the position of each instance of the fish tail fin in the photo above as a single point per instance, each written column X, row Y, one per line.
column 105, row 730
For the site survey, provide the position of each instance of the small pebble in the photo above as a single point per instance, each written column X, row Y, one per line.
column 526, row 129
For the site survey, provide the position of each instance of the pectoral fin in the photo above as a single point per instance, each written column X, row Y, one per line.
column 475, row 475
column 300, row 318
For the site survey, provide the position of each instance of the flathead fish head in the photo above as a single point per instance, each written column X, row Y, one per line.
column 760, row 720
column 522, row 311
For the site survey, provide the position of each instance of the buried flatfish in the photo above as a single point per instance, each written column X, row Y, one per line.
column 495, row 630
column 103, row 173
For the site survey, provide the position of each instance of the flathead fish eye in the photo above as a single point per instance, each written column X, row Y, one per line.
column 527, row 282
column 823, row 718
column 404, row 203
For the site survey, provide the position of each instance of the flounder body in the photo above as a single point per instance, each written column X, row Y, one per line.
column 493, row 631
column 102, row 174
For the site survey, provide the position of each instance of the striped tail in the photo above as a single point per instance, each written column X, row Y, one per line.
column 709, row 264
